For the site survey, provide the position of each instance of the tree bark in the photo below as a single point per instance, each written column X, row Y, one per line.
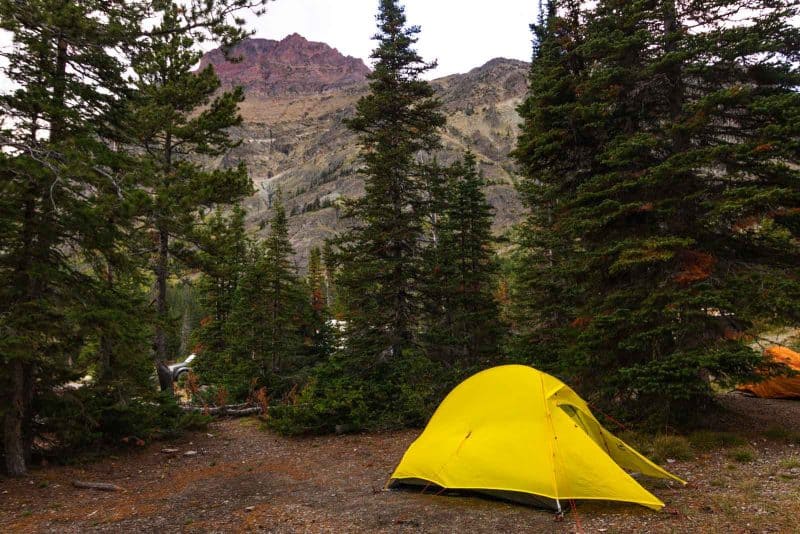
column 57, row 126
column 160, row 341
column 14, row 441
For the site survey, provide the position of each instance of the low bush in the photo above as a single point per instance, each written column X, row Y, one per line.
column 336, row 399
column 72, row 421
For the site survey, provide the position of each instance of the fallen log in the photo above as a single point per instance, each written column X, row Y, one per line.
column 235, row 410
column 101, row 486
column 245, row 411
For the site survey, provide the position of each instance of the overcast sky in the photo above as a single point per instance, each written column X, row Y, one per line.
column 460, row 34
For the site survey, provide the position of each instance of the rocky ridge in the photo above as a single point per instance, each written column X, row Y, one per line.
column 294, row 139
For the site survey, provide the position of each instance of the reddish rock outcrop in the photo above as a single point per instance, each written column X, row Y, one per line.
column 292, row 65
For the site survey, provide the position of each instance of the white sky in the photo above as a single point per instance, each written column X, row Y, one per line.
column 460, row 34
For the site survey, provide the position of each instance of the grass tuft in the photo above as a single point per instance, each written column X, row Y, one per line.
column 672, row 447
column 706, row 440
column 742, row 455
column 779, row 433
column 790, row 463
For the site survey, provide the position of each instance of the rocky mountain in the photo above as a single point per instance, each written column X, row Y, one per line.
column 290, row 66
column 297, row 95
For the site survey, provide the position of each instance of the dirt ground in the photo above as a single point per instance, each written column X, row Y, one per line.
column 244, row 478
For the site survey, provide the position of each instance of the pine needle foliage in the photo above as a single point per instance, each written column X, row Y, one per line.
column 398, row 124
column 661, row 173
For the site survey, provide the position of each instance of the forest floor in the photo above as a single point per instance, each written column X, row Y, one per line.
column 244, row 478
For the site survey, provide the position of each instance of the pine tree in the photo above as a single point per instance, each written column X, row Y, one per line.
column 329, row 269
column 69, row 243
column 177, row 117
column 462, row 323
column 476, row 327
column 316, row 280
column 321, row 341
column 380, row 377
column 397, row 123
column 687, row 225
column 222, row 256
column 555, row 151
column 267, row 327
column 61, row 184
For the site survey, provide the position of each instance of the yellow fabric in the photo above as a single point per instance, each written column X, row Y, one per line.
column 513, row 428
column 780, row 387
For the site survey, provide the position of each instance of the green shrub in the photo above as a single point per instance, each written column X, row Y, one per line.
column 742, row 454
column 336, row 399
column 95, row 418
column 671, row 447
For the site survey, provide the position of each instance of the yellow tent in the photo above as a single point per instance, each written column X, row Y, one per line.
column 518, row 433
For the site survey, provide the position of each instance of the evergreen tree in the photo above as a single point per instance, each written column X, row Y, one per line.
column 316, row 280
column 61, row 184
column 476, row 328
column 397, row 122
column 555, row 151
column 463, row 321
column 329, row 269
column 380, row 378
column 321, row 340
column 70, row 195
column 686, row 227
column 222, row 256
column 267, row 327
column 177, row 117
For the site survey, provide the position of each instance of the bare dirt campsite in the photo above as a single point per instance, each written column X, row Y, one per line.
column 238, row 477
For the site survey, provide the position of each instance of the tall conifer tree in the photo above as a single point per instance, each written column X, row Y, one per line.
column 222, row 255
column 686, row 227
column 556, row 152
column 70, row 195
column 398, row 123
column 61, row 186
column 462, row 325
column 267, row 326
column 177, row 117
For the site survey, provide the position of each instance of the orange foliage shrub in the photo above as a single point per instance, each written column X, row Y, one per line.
column 581, row 322
column 695, row 266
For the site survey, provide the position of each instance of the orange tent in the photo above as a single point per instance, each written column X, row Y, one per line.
column 780, row 387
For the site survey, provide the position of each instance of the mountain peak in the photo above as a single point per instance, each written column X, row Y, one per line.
column 294, row 37
column 292, row 65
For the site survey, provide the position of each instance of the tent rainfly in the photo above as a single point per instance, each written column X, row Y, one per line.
column 778, row 387
column 520, row 434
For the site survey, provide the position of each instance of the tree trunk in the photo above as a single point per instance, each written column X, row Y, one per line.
column 57, row 126
column 14, row 439
column 677, row 85
column 106, row 351
column 28, row 385
column 160, row 341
